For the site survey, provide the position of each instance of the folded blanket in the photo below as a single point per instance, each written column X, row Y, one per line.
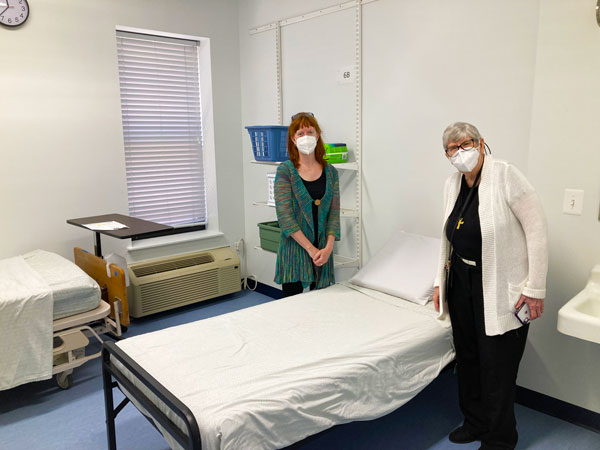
column 25, row 324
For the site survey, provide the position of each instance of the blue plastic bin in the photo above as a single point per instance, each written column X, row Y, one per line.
column 269, row 143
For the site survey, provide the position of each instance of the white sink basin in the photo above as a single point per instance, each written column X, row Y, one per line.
column 580, row 316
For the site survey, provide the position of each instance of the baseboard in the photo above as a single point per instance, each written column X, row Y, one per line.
column 267, row 290
column 557, row 408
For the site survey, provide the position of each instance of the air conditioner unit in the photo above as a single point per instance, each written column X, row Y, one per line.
column 166, row 283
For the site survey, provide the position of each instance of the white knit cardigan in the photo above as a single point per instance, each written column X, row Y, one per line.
column 514, row 256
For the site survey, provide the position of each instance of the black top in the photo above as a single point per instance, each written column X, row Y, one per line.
column 467, row 229
column 316, row 189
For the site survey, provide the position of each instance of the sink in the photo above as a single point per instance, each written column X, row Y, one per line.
column 580, row 316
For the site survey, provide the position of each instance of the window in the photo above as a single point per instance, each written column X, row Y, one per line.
column 162, row 129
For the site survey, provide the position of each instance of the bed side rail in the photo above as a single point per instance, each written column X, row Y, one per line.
column 190, row 442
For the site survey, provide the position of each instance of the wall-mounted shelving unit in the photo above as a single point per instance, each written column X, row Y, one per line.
column 354, row 167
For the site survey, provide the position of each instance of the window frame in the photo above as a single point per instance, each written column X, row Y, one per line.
column 208, row 149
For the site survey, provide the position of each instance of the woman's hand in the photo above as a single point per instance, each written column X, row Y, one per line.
column 301, row 239
column 322, row 256
column 436, row 298
column 536, row 306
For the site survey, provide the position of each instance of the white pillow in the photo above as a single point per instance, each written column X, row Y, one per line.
column 405, row 267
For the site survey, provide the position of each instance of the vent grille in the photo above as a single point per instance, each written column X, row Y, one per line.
column 179, row 291
column 168, row 266
column 230, row 280
column 167, row 283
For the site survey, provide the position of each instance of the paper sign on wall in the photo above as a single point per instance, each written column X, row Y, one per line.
column 346, row 75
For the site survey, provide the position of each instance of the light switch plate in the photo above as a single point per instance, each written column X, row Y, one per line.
column 573, row 202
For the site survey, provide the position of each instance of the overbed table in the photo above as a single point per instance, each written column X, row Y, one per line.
column 136, row 228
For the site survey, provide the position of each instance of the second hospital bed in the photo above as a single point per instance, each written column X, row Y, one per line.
column 271, row 375
column 50, row 309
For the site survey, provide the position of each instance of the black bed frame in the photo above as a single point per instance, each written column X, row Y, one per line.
column 110, row 351
column 192, row 440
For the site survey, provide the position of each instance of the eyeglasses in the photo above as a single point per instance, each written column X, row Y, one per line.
column 300, row 114
column 464, row 146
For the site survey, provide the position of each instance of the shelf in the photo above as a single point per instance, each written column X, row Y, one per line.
column 266, row 163
column 263, row 204
column 339, row 262
column 257, row 247
column 342, row 166
column 346, row 166
column 344, row 212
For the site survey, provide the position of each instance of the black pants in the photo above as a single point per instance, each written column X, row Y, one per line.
column 487, row 365
column 290, row 289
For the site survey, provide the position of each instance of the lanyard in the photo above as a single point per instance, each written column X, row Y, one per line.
column 464, row 206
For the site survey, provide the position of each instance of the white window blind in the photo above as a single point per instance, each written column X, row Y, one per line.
column 162, row 128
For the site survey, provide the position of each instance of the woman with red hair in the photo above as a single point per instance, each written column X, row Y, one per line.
column 307, row 200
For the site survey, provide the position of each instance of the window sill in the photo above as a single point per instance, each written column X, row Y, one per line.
column 172, row 240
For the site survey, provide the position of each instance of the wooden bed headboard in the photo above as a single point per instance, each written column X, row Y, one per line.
column 115, row 285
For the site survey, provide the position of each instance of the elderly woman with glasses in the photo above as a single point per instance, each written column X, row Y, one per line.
column 492, row 281
column 307, row 200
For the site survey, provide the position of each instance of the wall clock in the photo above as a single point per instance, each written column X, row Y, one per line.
column 13, row 12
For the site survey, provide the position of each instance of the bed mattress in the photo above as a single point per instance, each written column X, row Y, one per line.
column 273, row 374
column 73, row 291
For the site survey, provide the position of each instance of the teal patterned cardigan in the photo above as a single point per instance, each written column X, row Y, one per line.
column 294, row 212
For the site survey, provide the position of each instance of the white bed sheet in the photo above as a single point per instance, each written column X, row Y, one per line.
column 73, row 290
column 271, row 375
column 25, row 324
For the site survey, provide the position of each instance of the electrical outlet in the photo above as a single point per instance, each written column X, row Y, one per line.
column 573, row 202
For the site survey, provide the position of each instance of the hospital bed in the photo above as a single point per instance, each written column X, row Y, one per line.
column 271, row 375
column 111, row 316
column 50, row 310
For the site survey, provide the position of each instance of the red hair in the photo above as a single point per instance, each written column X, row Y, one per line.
column 304, row 121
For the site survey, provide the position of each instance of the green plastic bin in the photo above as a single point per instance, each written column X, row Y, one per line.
column 270, row 234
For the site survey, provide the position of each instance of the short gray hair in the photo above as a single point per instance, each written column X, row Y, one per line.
column 460, row 130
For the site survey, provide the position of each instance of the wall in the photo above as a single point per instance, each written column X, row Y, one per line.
column 62, row 141
column 426, row 65
column 564, row 153
column 524, row 73
column 421, row 71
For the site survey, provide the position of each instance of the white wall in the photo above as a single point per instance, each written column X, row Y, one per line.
column 427, row 64
column 61, row 135
column 565, row 153
column 421, row 71
column 524, row 73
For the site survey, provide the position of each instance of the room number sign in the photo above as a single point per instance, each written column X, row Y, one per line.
column 13, row 12
column 344, row 74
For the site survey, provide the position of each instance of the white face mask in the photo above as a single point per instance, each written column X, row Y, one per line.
column 306, row 144
column 465, row 160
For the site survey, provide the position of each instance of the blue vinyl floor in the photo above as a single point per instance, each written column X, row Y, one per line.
column 41, row 416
